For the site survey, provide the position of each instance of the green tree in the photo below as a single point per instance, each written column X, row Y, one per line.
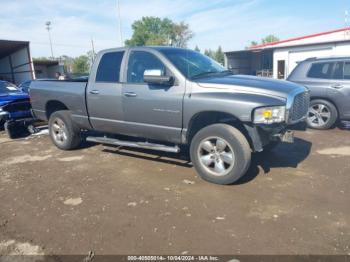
column 91, row 55
column 81, row 65
column 67, row 63
column 157, row 31
column 210, row 53
column 253, row 43
column 219, row 56
column 269, row 39
column 41, row 58
column 197, row 49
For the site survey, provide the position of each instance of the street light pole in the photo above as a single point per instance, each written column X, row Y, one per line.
column 48, row 28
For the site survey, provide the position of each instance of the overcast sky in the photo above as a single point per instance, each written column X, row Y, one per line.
column 229, row 23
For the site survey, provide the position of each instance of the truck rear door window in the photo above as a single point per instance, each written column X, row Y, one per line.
column 321, row 70
column 109, row 67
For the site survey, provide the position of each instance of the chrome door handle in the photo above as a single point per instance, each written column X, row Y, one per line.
column 130, row 94
column 94, row 92
column 337, row 86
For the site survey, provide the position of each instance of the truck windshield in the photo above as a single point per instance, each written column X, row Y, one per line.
column 6, row 87
column 193, row 64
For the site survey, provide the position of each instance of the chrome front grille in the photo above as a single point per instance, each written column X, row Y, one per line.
column 299, row 107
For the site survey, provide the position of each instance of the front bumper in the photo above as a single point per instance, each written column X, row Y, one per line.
column 287, row 136
column 261, row 136
column 21, row 116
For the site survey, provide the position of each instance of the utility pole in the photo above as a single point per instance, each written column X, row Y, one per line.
column 48, row 28
column 120, row 24
column 93, row 50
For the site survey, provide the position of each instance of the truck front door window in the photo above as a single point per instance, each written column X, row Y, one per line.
column 140, row 61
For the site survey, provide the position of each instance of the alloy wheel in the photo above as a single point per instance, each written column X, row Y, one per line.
column 318, row 115
column 216, row 156
column 59, row 131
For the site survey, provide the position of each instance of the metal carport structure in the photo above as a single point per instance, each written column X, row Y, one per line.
column 15, row 61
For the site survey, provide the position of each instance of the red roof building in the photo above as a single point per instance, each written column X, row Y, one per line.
column 278, row 59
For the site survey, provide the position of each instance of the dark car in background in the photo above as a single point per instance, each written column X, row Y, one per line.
column 328, row 80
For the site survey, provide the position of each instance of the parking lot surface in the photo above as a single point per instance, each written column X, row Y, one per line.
column 294, row 200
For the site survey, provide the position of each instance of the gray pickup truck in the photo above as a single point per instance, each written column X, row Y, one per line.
column 164, row 97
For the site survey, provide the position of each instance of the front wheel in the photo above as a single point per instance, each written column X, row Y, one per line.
column 220, row 154
column 322, row 114
column 63, row 131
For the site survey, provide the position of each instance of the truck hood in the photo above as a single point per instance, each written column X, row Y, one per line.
column 250, row 84
column 6, row 98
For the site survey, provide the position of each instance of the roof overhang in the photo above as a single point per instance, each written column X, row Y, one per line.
column 46, row 62
column 271, row 48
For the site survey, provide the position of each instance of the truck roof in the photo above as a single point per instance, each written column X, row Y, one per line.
column 158, row 48
column 327, row 58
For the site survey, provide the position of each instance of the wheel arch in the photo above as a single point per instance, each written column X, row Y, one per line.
column 53, row 106
column 205, row 118
column 329, row 100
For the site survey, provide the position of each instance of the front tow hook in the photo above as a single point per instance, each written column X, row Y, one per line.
column 286, row 137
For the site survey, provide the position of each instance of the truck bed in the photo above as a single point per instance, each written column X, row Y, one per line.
column 71, row 93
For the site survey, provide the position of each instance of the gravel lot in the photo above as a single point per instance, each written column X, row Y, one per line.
column 294, row 200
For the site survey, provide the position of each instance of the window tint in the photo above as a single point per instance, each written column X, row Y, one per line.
column 192, row 64
column 139, row 61
column 321, row 70
column 109, row 67
column 338, row 70
column 347, row 70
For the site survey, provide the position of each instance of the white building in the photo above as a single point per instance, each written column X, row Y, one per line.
column 278, row 59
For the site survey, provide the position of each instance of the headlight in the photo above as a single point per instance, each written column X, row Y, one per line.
column 2, row 112
column 269, row 115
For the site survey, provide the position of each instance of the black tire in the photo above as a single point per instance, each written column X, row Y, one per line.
column 71, row 131
column 15, row 130
column 326, row 122
column 2, row 124
column 10, row 130
column 235, row 141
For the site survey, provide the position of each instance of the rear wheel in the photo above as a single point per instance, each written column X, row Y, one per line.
column 220, row 154
column 322, row 114
column 63, row 132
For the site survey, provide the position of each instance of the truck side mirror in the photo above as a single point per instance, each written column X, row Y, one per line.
column 156, row 77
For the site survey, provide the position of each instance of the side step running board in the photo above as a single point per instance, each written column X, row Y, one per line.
column 144, row 145
column 346, row 124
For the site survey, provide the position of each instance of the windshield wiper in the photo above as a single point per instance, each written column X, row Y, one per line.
column 211, row 73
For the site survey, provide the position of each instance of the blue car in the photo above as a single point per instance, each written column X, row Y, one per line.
column 14, row 104
column 24, row 87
